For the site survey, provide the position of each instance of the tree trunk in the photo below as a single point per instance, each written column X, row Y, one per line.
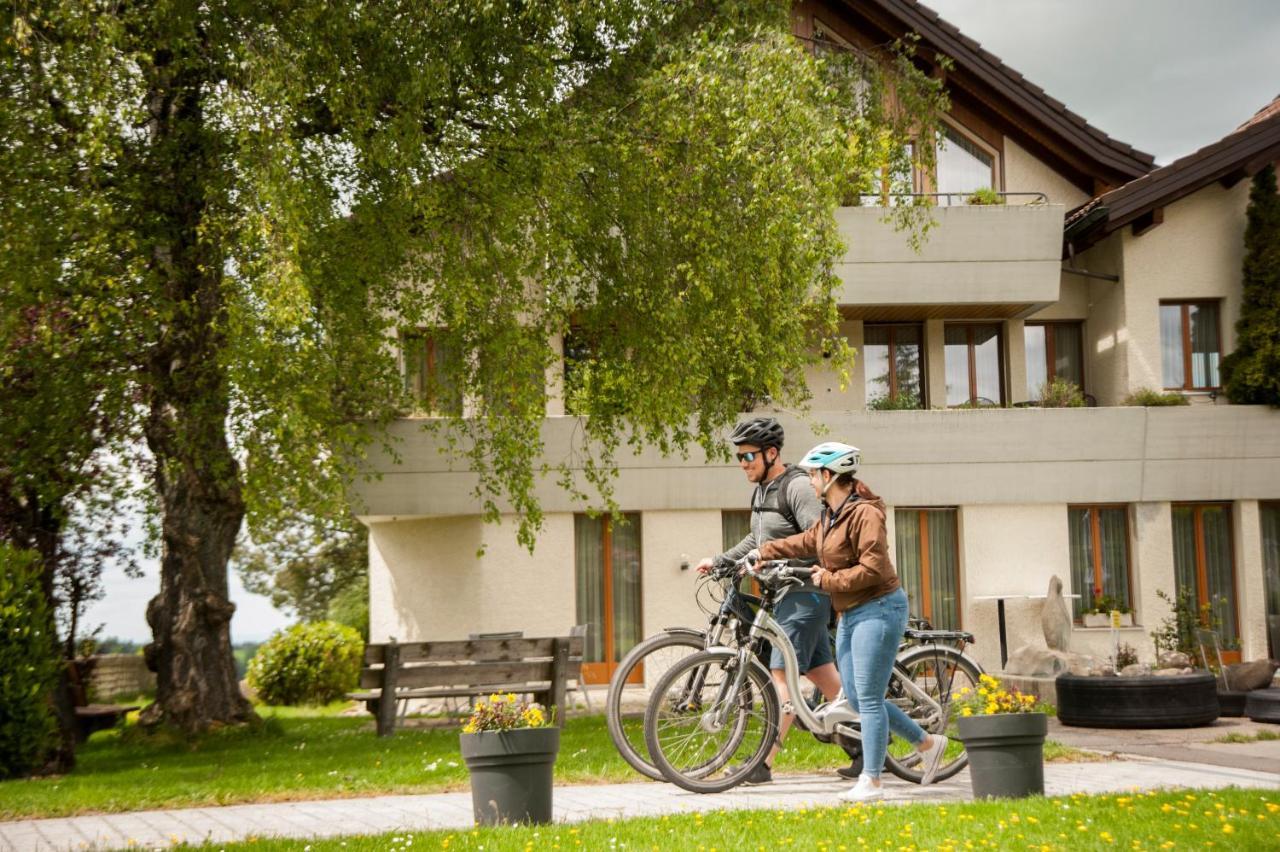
column 197, row 477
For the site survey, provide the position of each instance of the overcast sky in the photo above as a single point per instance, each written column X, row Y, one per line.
column 1165, row 76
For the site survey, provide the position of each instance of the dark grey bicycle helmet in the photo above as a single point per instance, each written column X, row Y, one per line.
column 764, row 432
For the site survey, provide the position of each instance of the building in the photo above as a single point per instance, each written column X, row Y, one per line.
column 1098, row 268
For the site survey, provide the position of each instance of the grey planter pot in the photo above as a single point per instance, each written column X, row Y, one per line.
column 511, row 774
column 1006, row 754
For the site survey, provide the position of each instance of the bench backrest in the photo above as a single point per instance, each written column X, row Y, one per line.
column 474, row 662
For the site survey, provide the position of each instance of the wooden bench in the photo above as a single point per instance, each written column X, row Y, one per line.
column 92, row 717
column 467, row 668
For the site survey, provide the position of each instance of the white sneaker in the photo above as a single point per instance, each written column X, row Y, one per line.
column 931, row 758
column 864, row 791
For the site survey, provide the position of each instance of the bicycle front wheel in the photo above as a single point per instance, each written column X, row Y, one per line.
column 940, row 673
column 653, row 657
column 706, row 728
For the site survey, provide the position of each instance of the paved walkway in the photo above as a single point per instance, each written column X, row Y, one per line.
column 572, row 804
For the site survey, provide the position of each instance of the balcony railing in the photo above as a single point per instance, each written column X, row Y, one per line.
column 951, row 199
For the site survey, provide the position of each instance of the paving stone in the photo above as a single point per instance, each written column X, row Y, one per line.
column 327, row 818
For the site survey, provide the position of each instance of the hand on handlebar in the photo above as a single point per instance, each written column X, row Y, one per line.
column 705, row 564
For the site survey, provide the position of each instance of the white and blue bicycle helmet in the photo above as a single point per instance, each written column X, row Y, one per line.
column 833, row 456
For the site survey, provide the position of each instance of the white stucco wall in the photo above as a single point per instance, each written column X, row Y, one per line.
column 1009, row 550
column 1023, row 172
column 1196, row 253
column 426, row 580
column 1251, row 595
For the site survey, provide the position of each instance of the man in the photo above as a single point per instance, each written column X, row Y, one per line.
column 784, row 504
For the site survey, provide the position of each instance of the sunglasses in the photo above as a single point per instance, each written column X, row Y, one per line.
column 748, row 457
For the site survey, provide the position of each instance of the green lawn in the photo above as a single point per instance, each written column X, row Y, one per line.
column 313, row 754
column 1226, row 819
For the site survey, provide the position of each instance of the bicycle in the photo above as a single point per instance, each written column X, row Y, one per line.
column 657, row 655
column 725, row 696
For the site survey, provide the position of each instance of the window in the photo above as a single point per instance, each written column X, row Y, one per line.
column 974, row 354
column 1054, row 351
column 1190, row 345
column 433, row 372
column 1203, row 562
column 607, row 575
column 1099, row 541
column 1270, row 517
column 893, row 355
column 734, row 526
column 929, row 564
column 963, row 165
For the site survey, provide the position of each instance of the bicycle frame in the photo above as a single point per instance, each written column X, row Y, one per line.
column 837, row 712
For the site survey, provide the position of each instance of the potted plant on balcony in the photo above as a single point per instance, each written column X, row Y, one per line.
column 510, row 750
column 1099, row 615
column 1003, row 732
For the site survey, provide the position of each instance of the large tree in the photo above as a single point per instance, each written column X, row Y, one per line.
column 266, row 192
column 1251, row 374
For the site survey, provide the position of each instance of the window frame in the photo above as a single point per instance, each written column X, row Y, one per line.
column 1184, row 342
column 1001, row 355
column 997, row 172
column 431, row 354
column 926, row 569
column 1202, row 564
column 893, row 374
column 1049, row 350
column 1095, row 554
column 597, row 672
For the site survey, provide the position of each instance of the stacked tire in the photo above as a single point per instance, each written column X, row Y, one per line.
column 1178, row 701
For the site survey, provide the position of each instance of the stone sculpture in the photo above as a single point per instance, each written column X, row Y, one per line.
column 1055, row 619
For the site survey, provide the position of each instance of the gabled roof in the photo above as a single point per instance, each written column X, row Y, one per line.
column 1237, row 155
column 989, row 71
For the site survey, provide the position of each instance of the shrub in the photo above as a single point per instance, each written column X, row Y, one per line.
column 1126, row 655
column 350, row 606
column 1061, row 393
column 901, row 401
column 307, row 664
column 985, row 196
column 28, row 667
column 1151, row 398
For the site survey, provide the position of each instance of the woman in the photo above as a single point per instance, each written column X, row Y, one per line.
column 851, row 544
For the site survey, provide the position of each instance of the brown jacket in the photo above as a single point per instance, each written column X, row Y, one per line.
column 854, row 548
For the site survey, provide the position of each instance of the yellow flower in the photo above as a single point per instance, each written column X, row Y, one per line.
column 966, row 711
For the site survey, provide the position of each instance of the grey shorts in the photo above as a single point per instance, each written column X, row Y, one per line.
column 803, row 616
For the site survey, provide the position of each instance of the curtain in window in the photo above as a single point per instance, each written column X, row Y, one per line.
column 1184, row 548
column 626, row 585
column 589, row 568
column 1171, row 366
column 1270, row 513
column 1204, row 345
column 734, row 526
column 986, row 362
column 1037, row 360
column 1219, row 571
column 1068, row 352
column 956, row 340
column 1114, row 533
column 907, row 547
column 1080, row 541
column 944, row 568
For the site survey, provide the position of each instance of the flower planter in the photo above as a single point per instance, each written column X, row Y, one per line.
column 1006, row 753
column 1103, row 619
column 511, row 774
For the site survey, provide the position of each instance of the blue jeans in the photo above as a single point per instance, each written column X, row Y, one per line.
column 866, row 645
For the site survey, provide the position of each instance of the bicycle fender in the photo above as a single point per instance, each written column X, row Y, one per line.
column 686, row 631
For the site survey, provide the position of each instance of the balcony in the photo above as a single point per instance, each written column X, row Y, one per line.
column 989, row 261
column 953, row 457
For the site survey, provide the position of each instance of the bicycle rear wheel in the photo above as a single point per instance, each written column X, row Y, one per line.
column 690, row 746
column 941, row 673
column 656, row 655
